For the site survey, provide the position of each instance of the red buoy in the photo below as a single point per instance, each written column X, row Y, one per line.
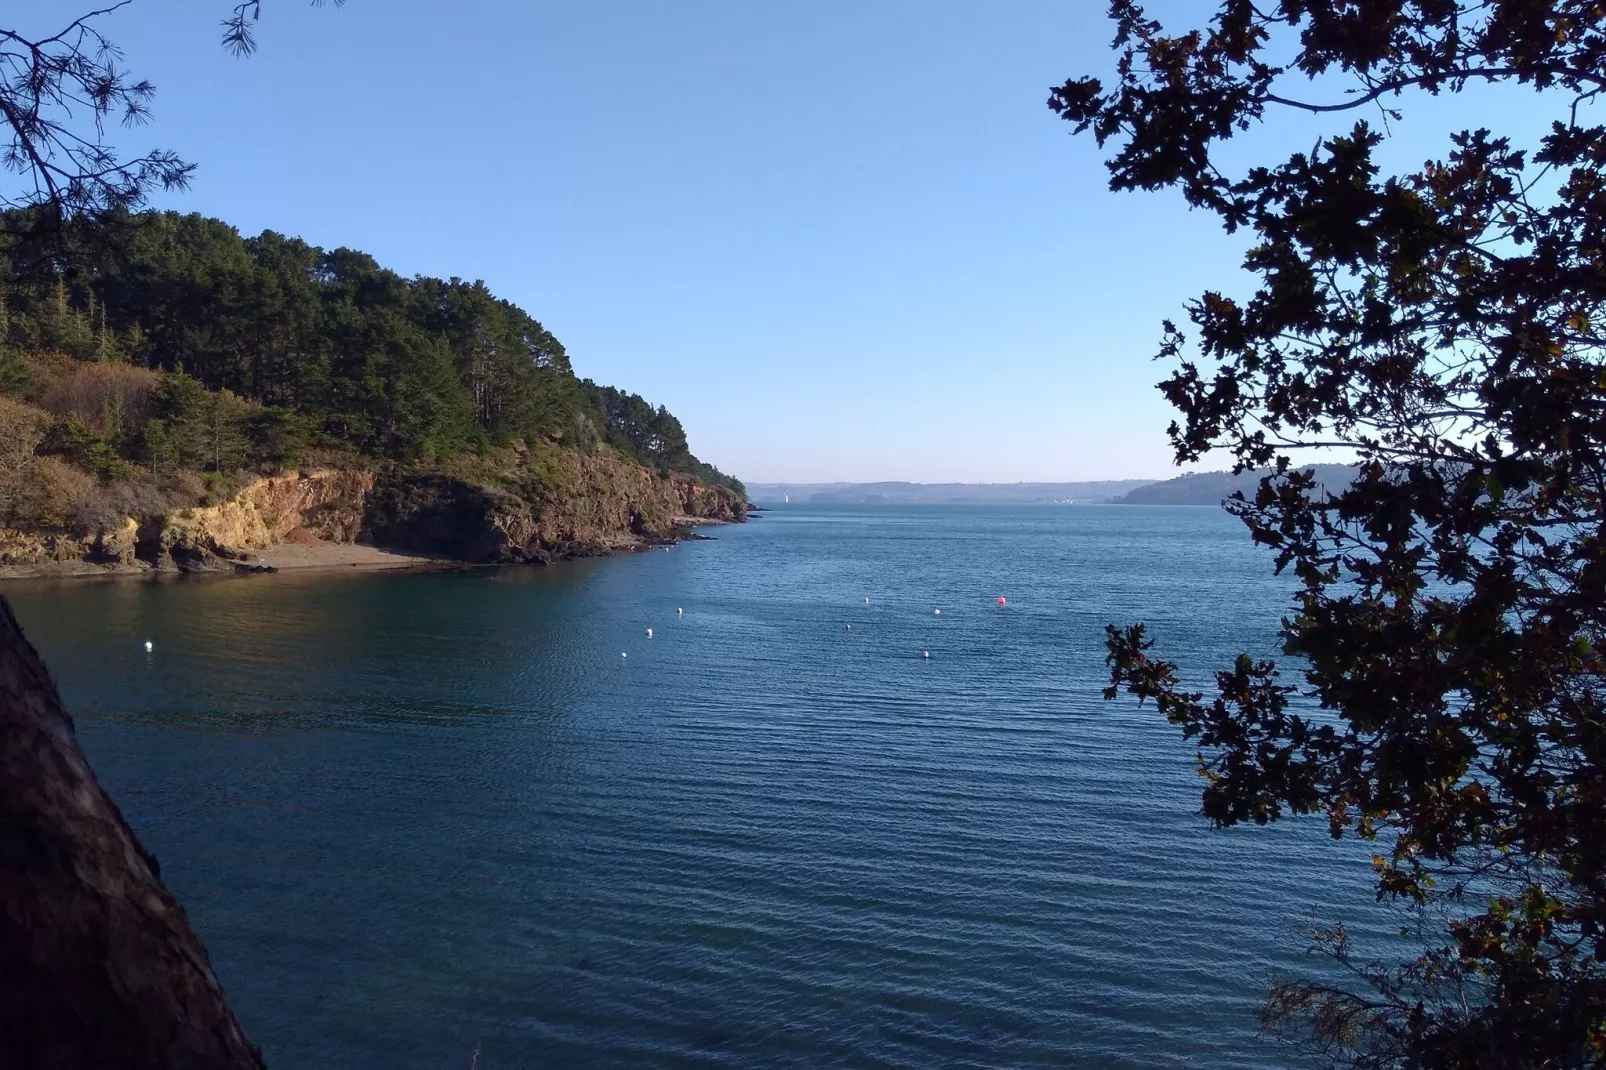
column 1000, row 599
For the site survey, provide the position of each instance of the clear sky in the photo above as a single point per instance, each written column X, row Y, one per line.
column 841, row 239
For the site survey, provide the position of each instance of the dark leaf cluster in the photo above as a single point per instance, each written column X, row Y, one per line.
column 58, row 94
column 1448, row 641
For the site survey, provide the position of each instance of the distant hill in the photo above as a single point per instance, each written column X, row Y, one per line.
column 1209, row 488
column 933, row 493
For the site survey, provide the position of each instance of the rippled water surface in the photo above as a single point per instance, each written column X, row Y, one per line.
column 415, row 813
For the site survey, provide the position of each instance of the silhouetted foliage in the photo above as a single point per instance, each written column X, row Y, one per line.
column 1446, row 644
column 59, row 91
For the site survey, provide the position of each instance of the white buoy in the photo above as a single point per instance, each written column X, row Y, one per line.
column 847, row 627
column 147, row 646
column 649, row 633
column 928, row 654
column 680, row 612
column 866, row 601
column 936, row 612
column 623, row 654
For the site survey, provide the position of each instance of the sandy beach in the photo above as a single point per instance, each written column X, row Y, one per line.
column 301, row 552
column 287, row 556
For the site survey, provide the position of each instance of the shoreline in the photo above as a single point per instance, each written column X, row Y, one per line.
column 299, row 557
column 282, row 557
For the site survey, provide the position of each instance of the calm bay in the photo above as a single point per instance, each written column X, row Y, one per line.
column 416, row 814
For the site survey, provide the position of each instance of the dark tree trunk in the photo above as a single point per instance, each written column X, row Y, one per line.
column 98, row 967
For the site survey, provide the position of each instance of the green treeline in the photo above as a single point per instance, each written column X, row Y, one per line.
column 263, row 349
column 652, row 436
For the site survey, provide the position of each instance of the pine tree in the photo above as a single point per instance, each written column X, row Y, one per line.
column 63, row 327
column 105, row 338
column 222, row 420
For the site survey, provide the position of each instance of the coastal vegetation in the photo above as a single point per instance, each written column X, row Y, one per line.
column 152, row 361
column 162, row 357
column 1441, row 694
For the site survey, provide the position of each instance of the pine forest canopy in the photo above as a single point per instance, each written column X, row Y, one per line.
column 294, row 347
column 1448, row 641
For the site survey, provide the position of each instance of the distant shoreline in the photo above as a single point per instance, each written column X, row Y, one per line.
column 1191, row 488
column 897, row 493
column 772, row 504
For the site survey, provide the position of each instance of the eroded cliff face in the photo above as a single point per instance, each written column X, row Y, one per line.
column 326, row 505
column 431, row 514
column 579, row 505
column 111, row 548
column 575, row 505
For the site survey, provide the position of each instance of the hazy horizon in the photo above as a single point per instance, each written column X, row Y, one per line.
column 943, row 482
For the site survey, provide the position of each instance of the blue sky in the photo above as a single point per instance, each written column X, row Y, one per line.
column 842, row 240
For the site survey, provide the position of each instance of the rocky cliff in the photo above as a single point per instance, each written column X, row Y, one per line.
column 325, row 504
column 578, row 505
column 567, row 505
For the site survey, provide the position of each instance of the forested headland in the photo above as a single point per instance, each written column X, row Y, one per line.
column 165, row 361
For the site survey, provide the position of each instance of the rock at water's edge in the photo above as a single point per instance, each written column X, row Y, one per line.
column 101, row 968
column 582, row 505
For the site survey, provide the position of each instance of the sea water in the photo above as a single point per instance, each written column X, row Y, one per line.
column 418, row 815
